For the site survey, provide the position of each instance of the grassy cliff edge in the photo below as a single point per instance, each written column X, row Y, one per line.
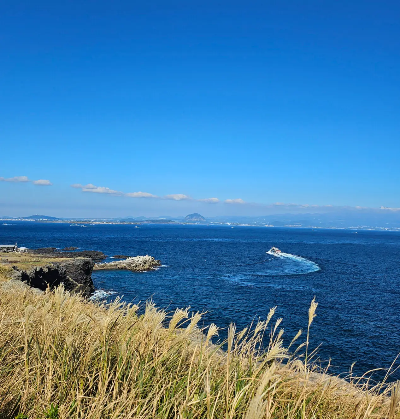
column 65, row 357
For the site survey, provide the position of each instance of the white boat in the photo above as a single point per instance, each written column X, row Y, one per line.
column 274, row 251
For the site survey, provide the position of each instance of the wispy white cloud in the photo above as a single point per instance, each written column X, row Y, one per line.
column 140, row 195
column 178, row 197
column 91, row 186
column 234, row 201
column 43, row 182
column 15, row 179
column 173, row 197
column 209, row 200
column 300, row 206
column 25, row 179
column 389, row 209
column 102, row 189
column 95, row 189
column 277, row 207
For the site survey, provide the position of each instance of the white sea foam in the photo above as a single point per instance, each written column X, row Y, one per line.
column 282, row 255
column 101, row 294
column 157, row 268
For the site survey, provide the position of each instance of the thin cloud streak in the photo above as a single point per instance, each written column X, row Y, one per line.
column 389, row 209
column 15, row 179
column 88, row 186
column 140, row 195
column 25, row 179
column 145, row 195
column 102, row 189
column 209, row 200
column 235, row 201
column 178, row 197
column 42, row 182
column 96, row 189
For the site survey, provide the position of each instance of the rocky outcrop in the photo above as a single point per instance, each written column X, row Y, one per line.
column 74, row 274
column 134, row 264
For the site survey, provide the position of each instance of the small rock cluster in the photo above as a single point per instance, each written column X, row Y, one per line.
column 134, row 264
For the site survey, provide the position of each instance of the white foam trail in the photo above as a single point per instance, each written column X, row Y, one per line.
column 159, row 267
column 283, row 255
column 101, row 294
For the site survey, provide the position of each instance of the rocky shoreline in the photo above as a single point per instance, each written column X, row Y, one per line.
column 49, row 268
column 134, row 264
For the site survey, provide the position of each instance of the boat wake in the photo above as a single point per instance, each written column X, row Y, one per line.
column 308, row 265
column 281, row 265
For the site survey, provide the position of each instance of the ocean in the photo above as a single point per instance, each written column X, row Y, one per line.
column 226, row 273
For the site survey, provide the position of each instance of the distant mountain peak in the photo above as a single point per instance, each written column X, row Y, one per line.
column 194, row 218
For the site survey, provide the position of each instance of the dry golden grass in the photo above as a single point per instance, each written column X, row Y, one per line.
column 25, row 260
column 5, row 272
column 63, row 357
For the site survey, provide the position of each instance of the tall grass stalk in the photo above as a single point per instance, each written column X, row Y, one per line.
column 311, row 316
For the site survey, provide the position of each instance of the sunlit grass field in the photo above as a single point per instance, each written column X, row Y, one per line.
column 64, row 357
column 25, row 261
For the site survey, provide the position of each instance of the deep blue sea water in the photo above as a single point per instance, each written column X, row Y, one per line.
column 226, row 272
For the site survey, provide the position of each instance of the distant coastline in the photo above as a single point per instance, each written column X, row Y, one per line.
column 85, row 222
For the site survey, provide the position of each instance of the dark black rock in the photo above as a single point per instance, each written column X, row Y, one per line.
column 52, row 252
column 66, row 249
column 92, row 254
column 75, row 274
column 44, row 251
column 121, row 257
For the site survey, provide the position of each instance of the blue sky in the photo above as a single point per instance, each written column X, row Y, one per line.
column 249, row 103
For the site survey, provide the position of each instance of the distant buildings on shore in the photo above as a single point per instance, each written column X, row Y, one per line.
column 309, row 221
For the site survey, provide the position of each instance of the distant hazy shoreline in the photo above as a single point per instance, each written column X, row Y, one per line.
column 81, row 222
